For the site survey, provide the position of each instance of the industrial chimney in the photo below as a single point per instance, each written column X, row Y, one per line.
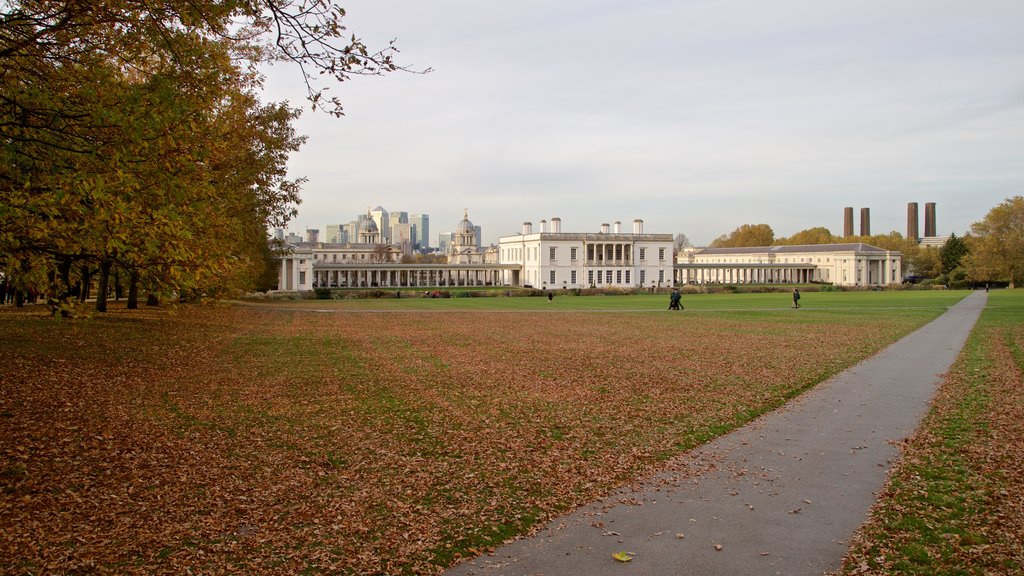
column 848, row 221
column 865, row 221
column 912, row 221
column 929, row 219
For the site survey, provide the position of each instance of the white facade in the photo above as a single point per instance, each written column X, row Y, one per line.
column 551, row 258
column 854, row 264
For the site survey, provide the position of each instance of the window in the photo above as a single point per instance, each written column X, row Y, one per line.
column 334, row 257
column 661, row 276
column 302, row 277
column 552, row 253
column 572, row 276
column 572, row 253
column 551, row 276
column 627, row 276
column 590, row 276
column 600, row 276
column 643, row 253
column 661, row 253
column 618, row 276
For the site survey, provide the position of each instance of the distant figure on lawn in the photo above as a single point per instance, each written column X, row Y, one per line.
column 673, row 300
column 796, row 297
column 551, row 296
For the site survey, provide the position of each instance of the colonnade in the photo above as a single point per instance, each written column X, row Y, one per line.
column 405, row 276
column 725, row 274
column 609, row 253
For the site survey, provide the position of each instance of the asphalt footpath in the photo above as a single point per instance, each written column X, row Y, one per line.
column 782, row 495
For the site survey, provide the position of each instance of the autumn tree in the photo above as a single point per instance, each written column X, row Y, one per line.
column 997, row 244
column 746, row 235
column 134, row 140
column 817, row 235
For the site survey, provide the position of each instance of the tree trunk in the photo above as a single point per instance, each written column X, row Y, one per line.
column 133, row 290
column 86, row 284
column 117, row 284
column 101, row 289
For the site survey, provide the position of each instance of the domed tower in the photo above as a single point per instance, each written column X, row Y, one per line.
column 368, row 232
column 465, row 235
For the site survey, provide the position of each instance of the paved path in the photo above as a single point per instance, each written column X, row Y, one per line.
column 779, row 496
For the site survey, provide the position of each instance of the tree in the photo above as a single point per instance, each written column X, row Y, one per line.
column 745, row 236
column 132, row 138
column 818, row 235
column 997, row 244
column 952, row 253
column 679, row 243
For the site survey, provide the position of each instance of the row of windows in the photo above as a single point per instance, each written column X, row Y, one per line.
column 334, row 257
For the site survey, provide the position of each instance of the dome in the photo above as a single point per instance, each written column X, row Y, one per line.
column 465, row 227
column 368, row 227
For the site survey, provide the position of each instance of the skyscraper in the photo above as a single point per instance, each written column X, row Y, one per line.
column 421, row 223
column 383, row 220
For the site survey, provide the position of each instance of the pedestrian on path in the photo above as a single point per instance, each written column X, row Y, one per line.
column 796, row 297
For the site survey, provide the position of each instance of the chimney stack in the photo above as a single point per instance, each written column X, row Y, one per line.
column 605, row 228
column 912, row 221
column 556, row 225
column 848, row 221
column 638, row 226
column 929, row 219
column 865, row 221
column 543, row 226
column 617, row 227
column 527, row 228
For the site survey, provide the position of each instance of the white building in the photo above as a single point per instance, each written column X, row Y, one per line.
column 840, row 264
column 550, row 258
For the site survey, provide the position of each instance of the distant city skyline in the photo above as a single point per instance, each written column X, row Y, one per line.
column 695, row 117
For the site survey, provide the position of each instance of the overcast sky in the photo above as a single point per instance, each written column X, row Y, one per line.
column 696, row 116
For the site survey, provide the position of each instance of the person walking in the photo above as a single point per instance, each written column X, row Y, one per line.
column 796, row 297
column 673, row 300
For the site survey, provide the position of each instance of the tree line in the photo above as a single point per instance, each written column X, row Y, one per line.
column 134, row 143
column 993, row 250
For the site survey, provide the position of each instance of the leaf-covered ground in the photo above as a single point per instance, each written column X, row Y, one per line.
column 249, row 440
column 955, row 504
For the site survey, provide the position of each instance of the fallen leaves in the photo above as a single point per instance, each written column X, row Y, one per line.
column 272, row 441
column 623, row 556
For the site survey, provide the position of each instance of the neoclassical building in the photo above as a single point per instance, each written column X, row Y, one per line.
column 840, row 264
column 550, row 258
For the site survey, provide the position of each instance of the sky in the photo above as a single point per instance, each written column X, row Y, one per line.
column 695, row 116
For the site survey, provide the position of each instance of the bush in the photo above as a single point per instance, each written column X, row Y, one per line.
column 322, row 293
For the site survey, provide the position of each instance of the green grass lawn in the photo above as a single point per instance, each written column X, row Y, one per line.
column 691, row 302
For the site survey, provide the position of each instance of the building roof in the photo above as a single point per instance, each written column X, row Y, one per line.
column 851, row 247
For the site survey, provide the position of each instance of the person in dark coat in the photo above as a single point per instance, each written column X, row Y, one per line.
column 796, row 297
column 673, row 300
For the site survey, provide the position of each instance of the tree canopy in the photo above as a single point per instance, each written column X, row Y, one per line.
column 997, row 244
column 746, row 235
column 132, row 138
